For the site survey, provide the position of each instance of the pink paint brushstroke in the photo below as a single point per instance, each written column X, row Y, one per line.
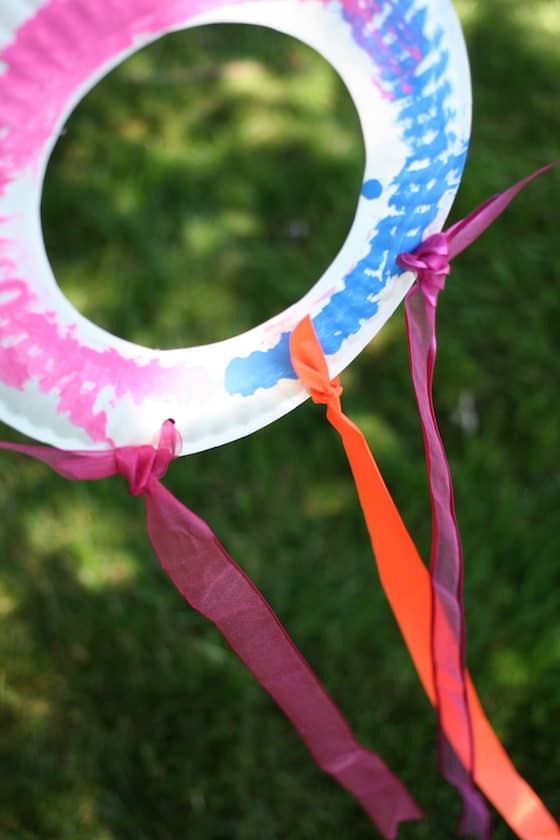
column 60, row 363
column 53, row 55
column 58, row 50
column 399, row 31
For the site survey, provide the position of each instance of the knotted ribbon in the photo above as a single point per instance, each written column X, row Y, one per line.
column 431, row 263
column 212, row 583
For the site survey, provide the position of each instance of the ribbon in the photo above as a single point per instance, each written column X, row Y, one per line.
column 430, row 262
column 212, row 583
column 406, row 583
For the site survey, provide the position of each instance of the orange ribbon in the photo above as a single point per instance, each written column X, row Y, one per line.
column 406, row 583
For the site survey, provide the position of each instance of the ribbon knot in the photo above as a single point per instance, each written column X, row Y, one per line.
column 328, row 392
column 430, row 261
column 140, row 465
column 311, row 368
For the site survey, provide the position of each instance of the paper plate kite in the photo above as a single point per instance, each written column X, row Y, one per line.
column 105, row 406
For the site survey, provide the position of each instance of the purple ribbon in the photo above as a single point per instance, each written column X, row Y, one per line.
column 214, row 585
column 431, row 261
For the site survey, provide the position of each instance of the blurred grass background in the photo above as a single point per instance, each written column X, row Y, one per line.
column 199, row 189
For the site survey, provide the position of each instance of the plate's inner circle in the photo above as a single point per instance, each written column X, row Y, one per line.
column 207, row 180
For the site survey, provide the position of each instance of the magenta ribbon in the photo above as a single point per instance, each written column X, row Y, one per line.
column 212, row 583
column 431, row 261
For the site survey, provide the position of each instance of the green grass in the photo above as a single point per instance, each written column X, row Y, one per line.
column 199, row 189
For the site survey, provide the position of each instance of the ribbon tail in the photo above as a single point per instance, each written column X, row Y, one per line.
column 75, row 466
column 446, row 575
column 407, row 586
column 406, row 583
column 464, row 232
column 210, row 581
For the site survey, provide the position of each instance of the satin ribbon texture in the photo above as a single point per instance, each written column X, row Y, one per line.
column 211, row 582
column 431, row 263
column 407, row 585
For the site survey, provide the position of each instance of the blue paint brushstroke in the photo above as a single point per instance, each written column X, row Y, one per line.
column 422, row 114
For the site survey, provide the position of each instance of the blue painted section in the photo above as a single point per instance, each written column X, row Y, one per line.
column 424, row 118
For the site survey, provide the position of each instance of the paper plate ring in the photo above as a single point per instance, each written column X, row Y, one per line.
column 69, row 383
